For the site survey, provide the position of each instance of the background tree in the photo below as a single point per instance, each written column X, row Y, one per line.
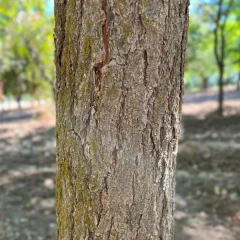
column 119, row 92
column 223, row 10
column 199, row 59
column 217, row 14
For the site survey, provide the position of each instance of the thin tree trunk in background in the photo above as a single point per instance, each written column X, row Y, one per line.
column 119, row 90
column 238, row 84
column 204, row 83
column 219, row 50
column 221, row 71
column 238, row 81
column 221, row 93
column 223, row 11
column 18, row 100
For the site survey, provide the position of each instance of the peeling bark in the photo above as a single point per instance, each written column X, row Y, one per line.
column 119, row 93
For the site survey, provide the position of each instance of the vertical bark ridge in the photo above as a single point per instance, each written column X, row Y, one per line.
column 105, row 37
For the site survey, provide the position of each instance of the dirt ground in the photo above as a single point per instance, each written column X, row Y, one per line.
column 208, row 189
column 27, row 173
column 208, row 185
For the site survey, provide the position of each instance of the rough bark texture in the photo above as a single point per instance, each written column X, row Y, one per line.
column 119, row 93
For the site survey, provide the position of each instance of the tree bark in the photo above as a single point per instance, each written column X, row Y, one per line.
column 119, row 91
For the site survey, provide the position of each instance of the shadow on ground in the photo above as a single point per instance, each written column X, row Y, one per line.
column 27, row 173
column 208, row 189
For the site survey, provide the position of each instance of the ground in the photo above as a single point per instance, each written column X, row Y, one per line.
column 208, row 189
column 27, row 173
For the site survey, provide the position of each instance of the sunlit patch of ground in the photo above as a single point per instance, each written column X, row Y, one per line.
column 202, row 104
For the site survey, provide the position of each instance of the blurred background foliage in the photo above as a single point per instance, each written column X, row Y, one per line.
column 201, row 65
column 26, row 49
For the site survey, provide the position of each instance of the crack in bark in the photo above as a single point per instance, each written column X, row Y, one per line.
column 88, row 176
column 152, row 140
column 109, row 231
column 156, row 171
column 131, row 208
column 182, row 54
column 106, row 182
column 97, row 68
column 163, row 215
column 90, row 235
column 164, row 203
column 59, row 39
column 122, row 100
column 100, row 207
column 105, row 34
column 165, row 209
column 142, row 26
column 101, row 196
column 139, row 226
column 114, row 159
column 79, row 35
column 63, row 31
column 145, row 57
column 143, row 141
column 105, row 186
column 162, row 136
column 133, row 190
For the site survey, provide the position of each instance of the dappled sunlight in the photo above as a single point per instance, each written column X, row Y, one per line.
column 208, row 190
column 27, row 175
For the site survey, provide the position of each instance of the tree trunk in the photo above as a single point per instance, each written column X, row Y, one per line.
column 204, row 83
column 219, row 45
column 238, row 82
column 221, row 93
column 18, row 100
column 119, row 92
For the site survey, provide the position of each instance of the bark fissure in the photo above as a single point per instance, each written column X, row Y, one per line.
column 105, row 36
column 110, row 229
column 101, row 196
column 182, row 54
column 85, row 158
column 61, row 40
column 122, row 100
column 139, row 226
column 145, row 57
column 114, row 159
